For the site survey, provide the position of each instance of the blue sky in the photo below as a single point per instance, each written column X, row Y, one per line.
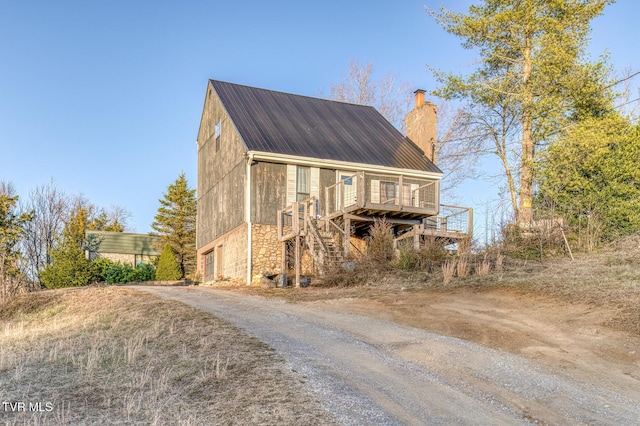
column 106, row 97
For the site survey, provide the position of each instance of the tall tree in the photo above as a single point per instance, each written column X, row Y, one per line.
column 175, row 223
column 532, row 77
column 592, row 177
column 11, row 229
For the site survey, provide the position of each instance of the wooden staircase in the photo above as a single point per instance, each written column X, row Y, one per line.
column 323, row 247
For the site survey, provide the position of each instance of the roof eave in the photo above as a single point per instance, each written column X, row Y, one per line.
column 336, row 164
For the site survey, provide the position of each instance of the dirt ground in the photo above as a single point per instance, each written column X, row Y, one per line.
column 570, row 337
column 579, row 317
column 355, row 351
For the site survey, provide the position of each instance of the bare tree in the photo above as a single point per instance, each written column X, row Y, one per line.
column 457, row 147
column 388, row 95
column 51, row 208
column 457, row 151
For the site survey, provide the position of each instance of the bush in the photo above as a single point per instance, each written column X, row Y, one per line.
column 168, row 268
column 380, row 243
column 408, row 259
column 118, row 273
column 146, row 272
column 99, row 268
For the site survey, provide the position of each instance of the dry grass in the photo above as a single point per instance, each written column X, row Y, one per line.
column 113, row 355
column 609, row 279
column 483, row 267
column 448, row 271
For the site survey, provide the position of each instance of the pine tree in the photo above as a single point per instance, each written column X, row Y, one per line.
column 11, row 230
column 532, row 77
column 69, row 267
column 175, row 223
column 592, row 178
column 168, row 268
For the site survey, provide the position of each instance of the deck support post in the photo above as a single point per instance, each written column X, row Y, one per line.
column 347, row 236
column 298, row 261
column 283, row 263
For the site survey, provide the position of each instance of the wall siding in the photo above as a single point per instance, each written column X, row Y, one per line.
column 221, row 174
column 327, row 178
column 268, row 192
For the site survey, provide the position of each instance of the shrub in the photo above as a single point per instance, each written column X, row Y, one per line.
column 117, row 273
column 432, row 253
column 407, row 257
column 380, row 243
column 145, row 272
column 99, row 268
column 168, row 268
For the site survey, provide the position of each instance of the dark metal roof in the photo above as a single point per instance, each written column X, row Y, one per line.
column 283, row 123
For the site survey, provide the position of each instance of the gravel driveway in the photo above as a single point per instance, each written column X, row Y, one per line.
column 370, row 371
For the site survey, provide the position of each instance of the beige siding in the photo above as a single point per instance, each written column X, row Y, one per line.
column 221, row 174
column 268, row 192
column 291, row 183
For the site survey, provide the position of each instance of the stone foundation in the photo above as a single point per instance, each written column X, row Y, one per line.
column 233, row 249
column 266, row 256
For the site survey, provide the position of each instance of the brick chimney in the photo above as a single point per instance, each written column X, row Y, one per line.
column 421, row 125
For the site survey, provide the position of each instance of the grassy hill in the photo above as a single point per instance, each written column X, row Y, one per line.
column 113, row 355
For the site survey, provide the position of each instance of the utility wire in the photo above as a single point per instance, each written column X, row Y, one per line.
column 629, row 77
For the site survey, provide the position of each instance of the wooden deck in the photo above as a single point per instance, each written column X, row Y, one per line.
column 409, row 204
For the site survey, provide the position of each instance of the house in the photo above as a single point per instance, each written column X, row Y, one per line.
column 288, row 181
column 126, row 248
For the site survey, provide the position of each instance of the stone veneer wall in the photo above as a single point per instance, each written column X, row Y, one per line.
column 267, row 254
column 234, row 254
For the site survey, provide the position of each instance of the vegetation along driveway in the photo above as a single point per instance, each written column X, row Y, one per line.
column 367, row 370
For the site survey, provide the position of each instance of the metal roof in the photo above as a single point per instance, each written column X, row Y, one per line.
column 283, row 123
column 125, row 243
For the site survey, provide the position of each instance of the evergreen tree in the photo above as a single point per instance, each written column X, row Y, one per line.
column 69, row 266
column 532, row 77
column 592, row 178
column 11, row 229
column 175, row 223
column 168, row 268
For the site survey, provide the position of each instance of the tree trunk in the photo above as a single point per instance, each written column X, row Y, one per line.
column 525, row 212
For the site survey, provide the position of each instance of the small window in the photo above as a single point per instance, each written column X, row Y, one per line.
column 388, row 192
column 209, row 267
column 217, row 135
column 303, row 183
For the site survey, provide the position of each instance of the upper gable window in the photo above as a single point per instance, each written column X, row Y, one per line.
column 217, row 135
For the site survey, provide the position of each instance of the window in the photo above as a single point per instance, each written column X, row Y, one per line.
column 209, row 267
column 388, row 192
column 217, row 135
column 349, row 189
column 303, row 183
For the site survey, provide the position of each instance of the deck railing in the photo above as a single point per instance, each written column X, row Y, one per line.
column 451, row 219
column 292, row 220
column 380, row 191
